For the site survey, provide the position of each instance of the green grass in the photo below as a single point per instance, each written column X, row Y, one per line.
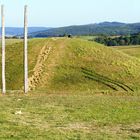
column 70, row 116
column 86, row 37
column 13, row 41
column 86, row 92
column 14, row 61
column 130, row 50
column 105, row 62
column 63, row 69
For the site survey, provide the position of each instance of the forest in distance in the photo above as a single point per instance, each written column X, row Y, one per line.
column 133, row 39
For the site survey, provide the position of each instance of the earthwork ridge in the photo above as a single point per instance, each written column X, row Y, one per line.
column 37, row 71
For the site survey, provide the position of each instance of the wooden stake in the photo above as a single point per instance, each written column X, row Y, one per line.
column 3, row 50
column 25, row 51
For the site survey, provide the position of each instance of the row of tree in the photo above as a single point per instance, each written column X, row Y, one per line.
column 119, row 41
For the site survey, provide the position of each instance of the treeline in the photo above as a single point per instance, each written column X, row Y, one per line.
column 119, row 41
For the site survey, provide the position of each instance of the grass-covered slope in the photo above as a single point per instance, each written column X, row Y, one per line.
column 14, row 61
column 85, row 65
column 62, row 64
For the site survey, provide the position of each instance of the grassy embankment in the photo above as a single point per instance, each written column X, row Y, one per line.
column 85, row 91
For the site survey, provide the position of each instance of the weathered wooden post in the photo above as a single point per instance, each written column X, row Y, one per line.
column 25, row 51
column 3, row 49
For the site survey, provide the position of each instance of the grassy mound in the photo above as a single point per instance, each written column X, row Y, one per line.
column 86, row 66
column 72, row 65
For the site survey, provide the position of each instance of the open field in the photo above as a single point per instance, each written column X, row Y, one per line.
column 81, row 91
column 70, row 116
column 87, row 37
column 13, row 41
column 131, row 50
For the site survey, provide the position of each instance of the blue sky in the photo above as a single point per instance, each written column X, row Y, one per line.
column 55, row 13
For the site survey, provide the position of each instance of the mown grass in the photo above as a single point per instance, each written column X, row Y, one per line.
column 130, row 50
column 70, row 116
column 87, row 37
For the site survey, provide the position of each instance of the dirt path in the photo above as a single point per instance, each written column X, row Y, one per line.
column 42, row 70
column 37, row 71
column 52, row 62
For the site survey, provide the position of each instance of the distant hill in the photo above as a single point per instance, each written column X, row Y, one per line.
column 107, row 28
column 15, row 31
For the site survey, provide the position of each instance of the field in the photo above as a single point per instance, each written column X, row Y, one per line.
column 69, row 116
column 81, row 90
column 131, row 50
column 87, row 37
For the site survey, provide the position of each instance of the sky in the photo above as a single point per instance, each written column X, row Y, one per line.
column 57, row 13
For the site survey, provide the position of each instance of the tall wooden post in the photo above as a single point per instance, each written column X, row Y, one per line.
column 3, row 50
column 25, row 51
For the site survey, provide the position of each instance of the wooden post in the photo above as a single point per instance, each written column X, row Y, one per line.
column 3, row 50
column 25, row 51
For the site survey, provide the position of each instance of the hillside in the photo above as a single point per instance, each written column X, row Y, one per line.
column 79, row 91
column 106, row 28
column 61, row 64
